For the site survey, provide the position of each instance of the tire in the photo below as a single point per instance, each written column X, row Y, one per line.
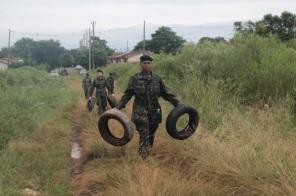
column 90, row 104
column 112, row 101
column 173, row 117
column 124, row 121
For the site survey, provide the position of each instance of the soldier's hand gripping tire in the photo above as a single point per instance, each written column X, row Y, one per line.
column 175, row 114
column 124, row 121
column 91, row 104
column 112, row 101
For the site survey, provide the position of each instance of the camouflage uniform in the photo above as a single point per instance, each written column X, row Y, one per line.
column 110, row 81
column 86, row 83
column 147, row 88
column 100, row 84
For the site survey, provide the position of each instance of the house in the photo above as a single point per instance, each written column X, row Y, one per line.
column 119, row 57
column 129, row 57
column 3, row 64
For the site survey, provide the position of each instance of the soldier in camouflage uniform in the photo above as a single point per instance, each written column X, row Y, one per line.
column 146, row 87
column 111, row 80
column 86, row 83
column 100, row 84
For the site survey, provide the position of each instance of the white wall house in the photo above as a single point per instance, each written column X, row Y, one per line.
column 3, row 65
column 130, row 57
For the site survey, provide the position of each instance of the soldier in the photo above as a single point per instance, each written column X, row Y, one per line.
column 146, row 87
column 86, row 83
column 111, row 80
column 100, row 84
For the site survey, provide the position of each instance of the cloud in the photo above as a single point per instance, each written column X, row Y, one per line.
column 74, row 16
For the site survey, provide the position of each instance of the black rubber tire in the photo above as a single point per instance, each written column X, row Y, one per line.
column 124, row 121
column 112, row 101
column 173, row 117
column 91, row 104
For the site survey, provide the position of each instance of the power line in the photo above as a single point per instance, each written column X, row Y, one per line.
column 118, row 29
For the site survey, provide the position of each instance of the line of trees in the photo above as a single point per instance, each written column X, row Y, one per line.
column 51, row 54
column 284, row 26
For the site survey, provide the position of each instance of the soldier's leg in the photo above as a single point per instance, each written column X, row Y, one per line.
column 104, row 103
column 144, row 145
column 100, row 105
column 152, row 130
column 85, row 93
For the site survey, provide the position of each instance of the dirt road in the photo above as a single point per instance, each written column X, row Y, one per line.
column 103, row 169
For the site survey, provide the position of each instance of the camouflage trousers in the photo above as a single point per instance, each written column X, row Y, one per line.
column 85, row 92
column 147, row 135
column 101, row 103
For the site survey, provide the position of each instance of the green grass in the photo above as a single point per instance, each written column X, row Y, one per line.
column 35, row 130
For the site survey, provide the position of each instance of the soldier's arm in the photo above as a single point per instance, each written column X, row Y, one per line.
column 108, row 85
column 166, row 95
column 91, row 89
column 128, row 94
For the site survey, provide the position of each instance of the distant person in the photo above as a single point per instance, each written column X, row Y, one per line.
column 100, row 84
column 86, row 84
column 146, row 87
column 110, row 80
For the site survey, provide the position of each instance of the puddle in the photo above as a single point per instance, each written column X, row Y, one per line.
column 76, row 151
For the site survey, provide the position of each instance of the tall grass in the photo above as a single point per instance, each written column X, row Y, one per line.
column 34, row 132
column 255, row 69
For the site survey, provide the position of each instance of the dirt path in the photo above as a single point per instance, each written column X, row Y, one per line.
column 85, row 149
column 101, row 169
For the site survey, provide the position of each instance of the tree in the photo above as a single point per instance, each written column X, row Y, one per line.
column 101, row 51
column 214, row 40
column 67, row 60
column 48, row 52
column 80, row 56
column 283, row 26
column 140, row 45
column 163, row 40
column 3, row 52
column 23, row 48
column 166, row 40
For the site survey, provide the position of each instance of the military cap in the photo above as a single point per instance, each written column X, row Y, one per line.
column 146, row 58
column 99, row 70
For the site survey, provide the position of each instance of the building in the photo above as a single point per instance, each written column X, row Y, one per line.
column 129, row 57
column 3, row 64
column 119, row 57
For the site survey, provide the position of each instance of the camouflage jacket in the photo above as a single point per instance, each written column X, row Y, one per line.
column 86, row 82
column 146, row 88
column 110, row 80
column 100, row 84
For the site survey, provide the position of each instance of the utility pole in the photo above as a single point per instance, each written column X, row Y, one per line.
column 144, row 37
column 93, row 42
column 86, row 38
column 89, row 50
column 8, row 51
column 127, row 46
column 294, row 28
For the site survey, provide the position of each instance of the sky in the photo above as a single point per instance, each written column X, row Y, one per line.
column 65, row 19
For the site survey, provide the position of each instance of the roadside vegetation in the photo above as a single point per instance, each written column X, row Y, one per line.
column 244, row 91
column 35, row 130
